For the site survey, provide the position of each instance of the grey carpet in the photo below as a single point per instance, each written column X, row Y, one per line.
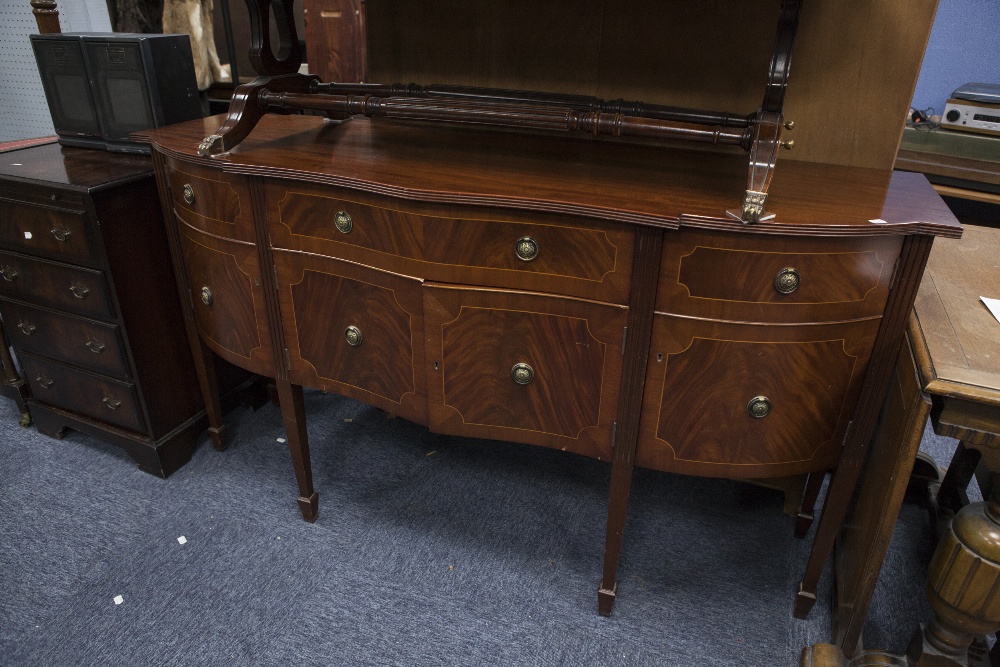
column 428, row 550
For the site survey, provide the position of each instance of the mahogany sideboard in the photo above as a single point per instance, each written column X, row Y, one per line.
column 87, row 298
column 571, row 293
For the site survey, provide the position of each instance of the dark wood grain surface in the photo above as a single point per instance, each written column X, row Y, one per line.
column 642, row 184
column 75, row 168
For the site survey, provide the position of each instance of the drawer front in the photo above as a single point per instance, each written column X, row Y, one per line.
column 458, row 244
column 92, row 345
column 51, row 232
column 739, row 401
column 524, row 367
column 760, row 278
column 83, row 392
column 228, row 299
column 78, row 290
column 210, row 201
column 355, row 331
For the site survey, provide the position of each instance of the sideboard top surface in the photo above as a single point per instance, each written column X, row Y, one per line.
column 642, row 184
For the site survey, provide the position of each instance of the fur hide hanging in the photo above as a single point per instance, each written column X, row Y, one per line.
column 194, row 18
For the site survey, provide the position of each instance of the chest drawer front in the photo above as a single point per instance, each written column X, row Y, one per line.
column 92, row 345
column 459, row 245
column 82, row 392
column 761, row 278
column 211, row 201
column 739, row 401
column 525, row 367
column 45, row 231
column 228, row 299
column 354, row 330
column 72, row 288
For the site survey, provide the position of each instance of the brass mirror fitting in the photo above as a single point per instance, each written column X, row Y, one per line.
column 79, row 291
column 112, row 403
column 343, row 222
column 8, row 273
column 789, row 124
column 188, row 194
column 206, row 296
column 26, row 328
column 95, row 347
column 788, row 145
column 759, row 406
column 353, row 336
column 61, row 234
column 526, row 248
column 787, row 280
column 522, row 374
column 46, row 382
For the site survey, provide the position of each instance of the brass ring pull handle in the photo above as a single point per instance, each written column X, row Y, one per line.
column 787, row 281
column 61, row 234
column 522, row 374
column 353, row 336
column 8, row 273
column 526, row 248
column 27, row 328
column 206, row 296
column 188, row 193
column 759, row 407
column 343, row 222
column 95, row 347
column 79, row 291
column 44, row 381
column 112, row 403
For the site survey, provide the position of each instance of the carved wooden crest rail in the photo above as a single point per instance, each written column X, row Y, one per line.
column 280, row 88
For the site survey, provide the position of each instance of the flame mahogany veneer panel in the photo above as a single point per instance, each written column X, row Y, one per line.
column 702, row 374
column 234, row 323
column 475, row 337
column 455, row 244
column 320, row 298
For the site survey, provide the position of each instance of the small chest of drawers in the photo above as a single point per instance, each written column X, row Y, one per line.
column 88, row 300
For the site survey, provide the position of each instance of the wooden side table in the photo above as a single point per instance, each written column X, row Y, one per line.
column 949, row 371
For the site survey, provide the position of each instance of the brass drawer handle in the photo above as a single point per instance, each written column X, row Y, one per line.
column 27, row 328
column 112, row 403
column 44, row 381
column 353, row 336
column 522, row 374
column 526, row 248
column 8, row 273
column 787, row 280
column 61, row 234
column 188, row 194
column 95, row 347
column 206, row 296
column 759, row 407
column 343, row 221
column 79, row 291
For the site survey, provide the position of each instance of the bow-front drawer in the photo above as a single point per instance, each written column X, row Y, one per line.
column 92, row 345
column 748, row 400
column 51, row 232
column 210, row 201
column 76, row 289
column 83, row 392
column 455, row 244
column 763, row 278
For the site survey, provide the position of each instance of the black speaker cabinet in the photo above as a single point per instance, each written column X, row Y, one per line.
column 101, row 87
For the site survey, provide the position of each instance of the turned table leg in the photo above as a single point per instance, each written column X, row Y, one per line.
column 963, row 586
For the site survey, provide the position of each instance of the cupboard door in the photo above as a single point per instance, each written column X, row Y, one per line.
column 738, row 400
column 228, row 299
column 524, row 367
column 353, row 330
